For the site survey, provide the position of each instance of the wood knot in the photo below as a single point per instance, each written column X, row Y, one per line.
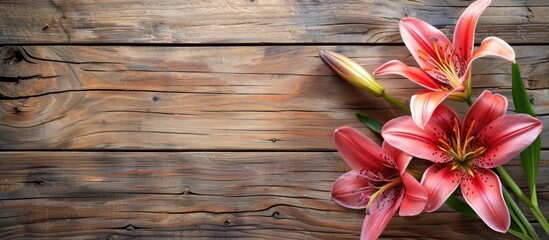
column 12, row 55
column 187, row 191
column 130, row 227
column 40, row 181
column 18, row 111
column 276, row 215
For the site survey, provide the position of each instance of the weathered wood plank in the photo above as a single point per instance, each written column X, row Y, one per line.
column 280, row 21
column 275, row 97
column 37, row 70
column 199, row 194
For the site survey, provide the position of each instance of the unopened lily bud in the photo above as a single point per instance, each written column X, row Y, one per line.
column 351, row 72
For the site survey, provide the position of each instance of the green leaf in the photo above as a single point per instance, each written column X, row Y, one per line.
column 530, row 157
column 520, row 96
column 461, row 207
column 370, row 122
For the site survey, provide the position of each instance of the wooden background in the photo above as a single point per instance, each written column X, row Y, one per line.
column 214, row 119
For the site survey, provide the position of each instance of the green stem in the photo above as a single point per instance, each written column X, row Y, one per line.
column 513, row 186
column 395, row 101
column 523, row 198
column 519, row 235
column 541, row 219
column 469, row 101
column 519, row 217
column 514, row 220
column 534, row 195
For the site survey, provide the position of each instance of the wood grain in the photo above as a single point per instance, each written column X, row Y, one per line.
column 203, row 98
column 255, row 21
column 214, row 119
column 199, row 194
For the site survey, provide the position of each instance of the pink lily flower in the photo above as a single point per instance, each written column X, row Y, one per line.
column 378, row 181
column 464, row 152
column 445, row 66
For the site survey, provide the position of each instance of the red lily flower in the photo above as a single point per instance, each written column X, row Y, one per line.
column 464, row 152
column 445, row 67
column 378, row 181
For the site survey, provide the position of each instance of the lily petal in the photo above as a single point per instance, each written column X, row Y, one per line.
column 401, row 159
column 443, row 118
column 424, row 104
column 415, row 197
column 439, row 182
column 483, row 193
column 505, row 137
column 349, row 191
column 414, row 74
column 419, row 36
column 490, row 46
column 464, row 34
column 403, row 133
column 494, row 46
column 379, row 215
column 359, row 152
column 484, row 110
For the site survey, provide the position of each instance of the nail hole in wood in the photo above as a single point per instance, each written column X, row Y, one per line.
column 155, row 98
column 227, row 223
column 130, row 227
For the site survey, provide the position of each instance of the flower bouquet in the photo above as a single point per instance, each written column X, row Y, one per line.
column 467, row 152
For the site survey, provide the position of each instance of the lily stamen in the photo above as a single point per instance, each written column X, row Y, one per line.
column 461, row 149
column 381, row 190
column 444, row 63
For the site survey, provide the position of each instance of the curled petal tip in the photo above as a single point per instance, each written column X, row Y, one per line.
column 497, row 47
column 423, row 106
